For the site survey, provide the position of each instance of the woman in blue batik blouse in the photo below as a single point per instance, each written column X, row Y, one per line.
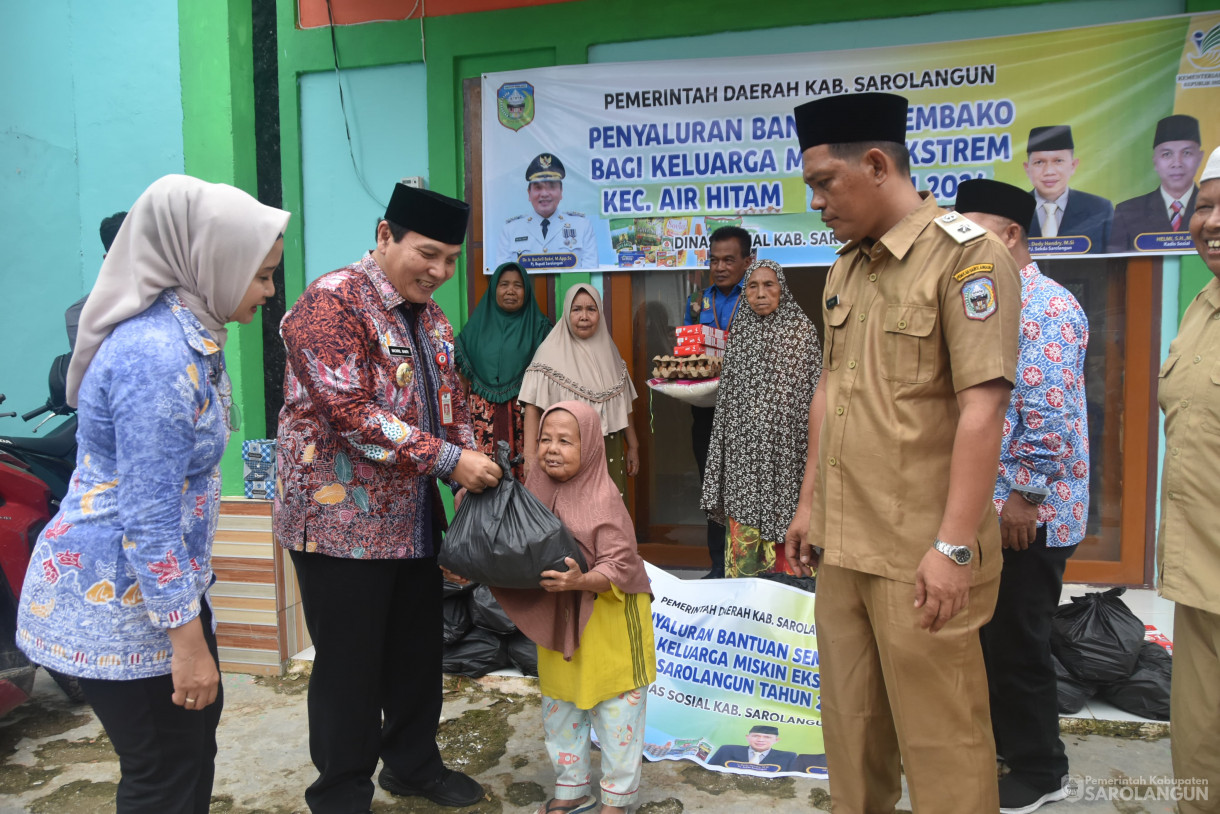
column 116, row 591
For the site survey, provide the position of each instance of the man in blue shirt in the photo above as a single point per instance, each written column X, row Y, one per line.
column 1042, row 496
column 729, row 256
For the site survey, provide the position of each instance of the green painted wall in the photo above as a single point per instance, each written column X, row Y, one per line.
column 217, row 65
column 1195, row 275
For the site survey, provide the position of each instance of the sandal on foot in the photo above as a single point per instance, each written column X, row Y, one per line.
column 557, row 807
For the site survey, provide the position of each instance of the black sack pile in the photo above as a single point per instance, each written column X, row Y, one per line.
column 479, row 636
column 1099, row 649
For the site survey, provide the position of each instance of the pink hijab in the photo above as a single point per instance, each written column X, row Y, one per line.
column 590, row 506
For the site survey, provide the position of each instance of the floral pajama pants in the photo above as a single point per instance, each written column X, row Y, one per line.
column 619, row 723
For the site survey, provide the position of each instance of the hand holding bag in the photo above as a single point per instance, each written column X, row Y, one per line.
column 505, row 537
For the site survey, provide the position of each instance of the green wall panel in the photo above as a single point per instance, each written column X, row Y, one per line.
column 217, row 66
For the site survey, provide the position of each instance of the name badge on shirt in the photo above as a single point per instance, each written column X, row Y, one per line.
column 832, row 302
column 444, row 398
column 400, row 350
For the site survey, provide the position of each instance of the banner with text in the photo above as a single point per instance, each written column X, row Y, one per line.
column 633, row 165
column 738, row 685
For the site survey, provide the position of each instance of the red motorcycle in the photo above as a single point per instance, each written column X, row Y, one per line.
column 34, row 476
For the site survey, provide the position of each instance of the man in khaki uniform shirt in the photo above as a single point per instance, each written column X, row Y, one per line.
column 1188, row 555
column 921, row 317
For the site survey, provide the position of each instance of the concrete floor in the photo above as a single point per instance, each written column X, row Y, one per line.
column 54, row 758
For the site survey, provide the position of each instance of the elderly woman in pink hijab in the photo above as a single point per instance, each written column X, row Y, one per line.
column 596, row 655
column 116, row 592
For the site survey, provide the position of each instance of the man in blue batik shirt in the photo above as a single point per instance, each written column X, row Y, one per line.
column 729, row 256
column 1042, row 496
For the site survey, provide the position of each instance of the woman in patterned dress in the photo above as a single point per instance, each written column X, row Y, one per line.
column 579, row 361
column 116, row 591
column 756, row 460
column 491, row 354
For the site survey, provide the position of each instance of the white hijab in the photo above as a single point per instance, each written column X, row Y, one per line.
column 590, row 370
column 205, row 240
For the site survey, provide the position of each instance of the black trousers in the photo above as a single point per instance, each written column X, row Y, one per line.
column 375, row 690
column 1020, row 675
column 167, row 753
column 700, row 440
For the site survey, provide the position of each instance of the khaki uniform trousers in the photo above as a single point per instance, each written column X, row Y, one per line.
column 1195, row 708
column 893, row 692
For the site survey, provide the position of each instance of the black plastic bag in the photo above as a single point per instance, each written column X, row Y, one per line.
column 1073, row 693
column 523, row 653
column 1097, row 637
column 1146, row 691
column 456, row 614
column 486, row 612
column 505, row 537
column 807, row 584
column 453, row 589
column 478, row 653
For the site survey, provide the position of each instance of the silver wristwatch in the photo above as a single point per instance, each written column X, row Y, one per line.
column 960, row 554
column 1033, row 498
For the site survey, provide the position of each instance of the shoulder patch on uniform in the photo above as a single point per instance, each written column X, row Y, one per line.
column 575, row 214
column 514, row 217
column 959, row 227
column 970, row 271
column 978, row 298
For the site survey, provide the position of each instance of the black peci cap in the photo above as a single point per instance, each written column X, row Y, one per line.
column 852, row 118
column 429, row 213
column 545, row 167
column 1055, row 137
column 1177, row 128
column 763, row 729
column 996, row 198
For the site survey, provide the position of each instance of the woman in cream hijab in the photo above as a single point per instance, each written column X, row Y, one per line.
column 116, row 592
column 578, row 360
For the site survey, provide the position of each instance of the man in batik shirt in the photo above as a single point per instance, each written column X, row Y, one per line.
column 373, row 415
column 1042, row 495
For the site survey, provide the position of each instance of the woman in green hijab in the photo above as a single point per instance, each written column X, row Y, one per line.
column 492, row 352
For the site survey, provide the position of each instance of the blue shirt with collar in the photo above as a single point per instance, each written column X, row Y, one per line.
column 715, row 307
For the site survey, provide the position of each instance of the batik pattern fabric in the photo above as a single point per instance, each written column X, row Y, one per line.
column 616, row 460
column 747, row 554
column 1046, row 433
column 360, row 441
column 129, row 553
column 492, row 422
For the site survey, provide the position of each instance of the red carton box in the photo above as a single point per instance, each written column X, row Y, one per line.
column 703, row 334
column 690, row 342
column 1151, row 634
column 697, row 350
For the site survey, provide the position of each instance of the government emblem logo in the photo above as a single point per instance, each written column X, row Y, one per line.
column 1207, row 47
column 978, row 298
column 515, row 104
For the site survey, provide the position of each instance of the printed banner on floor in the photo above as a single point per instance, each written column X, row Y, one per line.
column 633, row 165
column 738, row 684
